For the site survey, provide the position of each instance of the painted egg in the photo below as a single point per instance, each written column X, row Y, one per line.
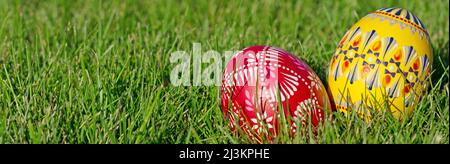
column 382, row 61
column 261, row 80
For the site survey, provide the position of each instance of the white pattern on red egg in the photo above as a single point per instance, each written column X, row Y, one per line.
column 251, row 83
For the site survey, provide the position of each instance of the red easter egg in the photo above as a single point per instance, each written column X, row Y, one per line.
column 259, row 79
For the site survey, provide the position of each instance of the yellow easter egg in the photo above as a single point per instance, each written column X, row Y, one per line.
column 382, row 62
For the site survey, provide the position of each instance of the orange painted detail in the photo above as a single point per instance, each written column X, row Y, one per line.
column 376, row 46
column 357, row 40
column 386, row 80
column 345, row 66
column 398, row 55
column 407, row 88
column 416, row 64
column 365, row 70
column 343, row 40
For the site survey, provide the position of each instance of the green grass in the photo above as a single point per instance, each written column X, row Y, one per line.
column 98, row 71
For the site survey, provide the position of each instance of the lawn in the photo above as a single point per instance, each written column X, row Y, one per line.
column 99, row 71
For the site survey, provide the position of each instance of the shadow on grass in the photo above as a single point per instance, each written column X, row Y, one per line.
column 440, row 62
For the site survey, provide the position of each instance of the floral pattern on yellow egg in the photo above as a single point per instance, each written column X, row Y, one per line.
column 384, row 59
